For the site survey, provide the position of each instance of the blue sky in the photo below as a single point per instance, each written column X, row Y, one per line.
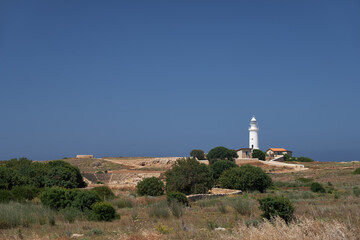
column 160, row 78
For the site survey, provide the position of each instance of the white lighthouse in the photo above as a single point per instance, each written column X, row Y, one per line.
column 253, row 134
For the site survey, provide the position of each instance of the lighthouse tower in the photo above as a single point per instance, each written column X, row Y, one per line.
column 253, row 134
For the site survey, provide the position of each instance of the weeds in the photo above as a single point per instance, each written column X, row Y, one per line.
column 17, row 214
column 242, row 205
column 159, row 210
column 177, row 209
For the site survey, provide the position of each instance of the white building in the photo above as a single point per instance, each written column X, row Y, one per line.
column 253, row 134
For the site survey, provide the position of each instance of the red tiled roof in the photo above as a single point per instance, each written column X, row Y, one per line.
column 277, row 149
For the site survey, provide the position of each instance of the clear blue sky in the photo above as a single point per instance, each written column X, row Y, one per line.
column 160, row 78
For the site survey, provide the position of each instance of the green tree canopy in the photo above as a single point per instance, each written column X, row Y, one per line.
column 220, row 166
column 152, row 186
column 221, row 153
column 257, row 153
column 23, row 171
column 245, row 178
column 189, row 177
column 197, row 153
column 63, row 174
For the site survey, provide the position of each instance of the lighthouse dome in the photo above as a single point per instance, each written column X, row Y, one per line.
column 253, row 119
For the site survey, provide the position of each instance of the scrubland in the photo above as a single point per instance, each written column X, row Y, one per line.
column 334, row 214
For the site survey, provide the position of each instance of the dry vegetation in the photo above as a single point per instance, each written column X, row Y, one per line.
column 331, row 215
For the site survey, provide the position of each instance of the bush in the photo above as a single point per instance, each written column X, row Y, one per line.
column 104, row 192
column 317, row 187
column 357, row 171
column 304, row 159
column 273, row 206
column 197, row 153
column 63, row 174
column 257, row 153
column 177, row 197
column 221, row 153
column 6, row 196
column 25, row 192
column 220, row 166
column 82, row 200
column 104, row 211
column 54, row 197
column 9, row 178
column 60, row 198
column 152, row 186
column 245, row 178
column 189, row 176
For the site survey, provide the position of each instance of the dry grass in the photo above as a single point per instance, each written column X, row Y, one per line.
column 333, row 215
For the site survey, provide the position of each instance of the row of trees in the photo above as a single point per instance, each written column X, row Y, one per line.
column 223, row 153
column 19, row 172
column 189, row 176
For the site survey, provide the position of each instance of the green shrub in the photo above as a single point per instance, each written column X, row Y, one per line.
column 82, row 199
column 317, row 187
column 104, row 211
column 246, row 178
column 189, row 176
column 273, row 206
column 220, row 166
column 60, row 198
column 356, row 171
column 152, row 186
column 304, row 159
column 9, row 178
column 104, row 192
column 124, row 203
column 197, row 153
column 54, row 197
column 6, row 196
column 177, row 197
column 63, row 174
column 221, row 153
column 25, row 192
column 257, row 153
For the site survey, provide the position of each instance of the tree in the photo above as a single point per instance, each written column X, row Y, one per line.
column 221, row 153
column 220, row 166
column 54, row 197
column 246, row 178
column 64, row 175
column 197, row 153
column 9, row 178
column 152, row 186
column 273, row 206
column 257, row 153
column 189, row 177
